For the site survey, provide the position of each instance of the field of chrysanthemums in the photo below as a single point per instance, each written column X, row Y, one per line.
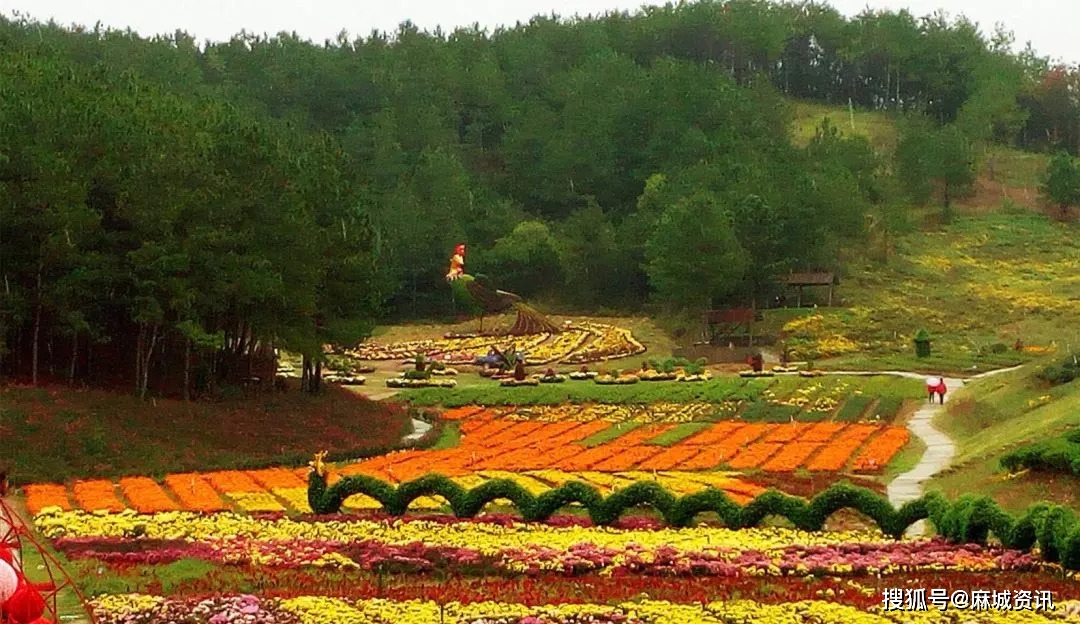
column 556, row 513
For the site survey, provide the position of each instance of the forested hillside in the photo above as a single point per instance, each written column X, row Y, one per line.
column 168, row 206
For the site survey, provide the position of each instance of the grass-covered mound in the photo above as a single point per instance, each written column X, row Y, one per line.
column 54, row 434
column 1056, row 454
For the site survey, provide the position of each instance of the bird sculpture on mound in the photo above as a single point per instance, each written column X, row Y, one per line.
column 477, row 292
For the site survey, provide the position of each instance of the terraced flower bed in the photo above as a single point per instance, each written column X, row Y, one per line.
column 579, row 344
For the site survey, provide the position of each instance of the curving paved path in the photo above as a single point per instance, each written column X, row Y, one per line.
column 940, row 450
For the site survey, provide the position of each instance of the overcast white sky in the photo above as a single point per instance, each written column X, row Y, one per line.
column 1049, row 24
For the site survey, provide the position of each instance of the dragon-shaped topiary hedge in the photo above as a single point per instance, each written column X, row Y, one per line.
column 969, row 519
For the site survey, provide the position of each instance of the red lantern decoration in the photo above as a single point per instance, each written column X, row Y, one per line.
column 9, row 581
column 25, row 606
column 6, row 556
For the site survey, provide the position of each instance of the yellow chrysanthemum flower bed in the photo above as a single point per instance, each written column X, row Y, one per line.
column 488, row 538
column 327, row 610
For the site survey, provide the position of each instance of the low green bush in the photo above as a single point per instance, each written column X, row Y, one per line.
column 969, row 519
column 1055, row 455
column 1063, row 372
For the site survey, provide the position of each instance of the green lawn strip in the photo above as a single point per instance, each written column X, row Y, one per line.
column 906, row 459
column 940, row 364
column 886, row 408
column 678, row 433
column 891, row 385
column 607, row 435
column 853, row 408
column 764, row 411
column 449, row 437
column 716, row 390
column 172, row 577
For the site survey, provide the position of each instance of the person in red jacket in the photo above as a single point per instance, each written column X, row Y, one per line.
column 936, row 385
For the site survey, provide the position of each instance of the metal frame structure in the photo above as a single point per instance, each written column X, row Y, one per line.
column 20, row 539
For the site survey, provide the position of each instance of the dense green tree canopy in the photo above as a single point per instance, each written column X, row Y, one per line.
column 169, row 201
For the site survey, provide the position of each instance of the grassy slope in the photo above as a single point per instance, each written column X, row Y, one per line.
column 987, row 279
column 55, row 434
column 1000, row 273
column 996, row 415
column 877, row 127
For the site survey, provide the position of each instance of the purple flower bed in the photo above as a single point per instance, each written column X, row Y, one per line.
column 244, row 609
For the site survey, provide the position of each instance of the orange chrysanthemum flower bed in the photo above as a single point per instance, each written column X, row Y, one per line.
column 493, row 440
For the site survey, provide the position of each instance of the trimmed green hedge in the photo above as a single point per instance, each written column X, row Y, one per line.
column 969, row 519
column 1065, row 371
column 1055, row 455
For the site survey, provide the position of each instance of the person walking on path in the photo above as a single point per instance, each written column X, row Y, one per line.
column 941, row 390
column 935, row 385
column 932, row 384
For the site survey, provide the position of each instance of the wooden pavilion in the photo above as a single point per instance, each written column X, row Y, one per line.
column 811, row 279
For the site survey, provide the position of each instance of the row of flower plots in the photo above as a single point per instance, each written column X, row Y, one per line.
column 536, row 454
column 252, row 531
column 363, row 569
